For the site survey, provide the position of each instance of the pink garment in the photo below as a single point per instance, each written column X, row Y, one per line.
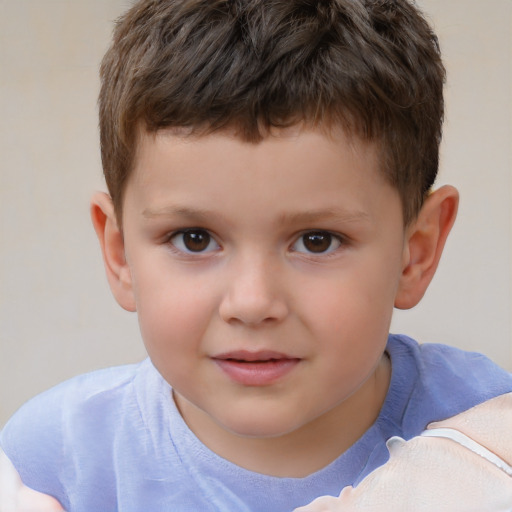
column 468, row 473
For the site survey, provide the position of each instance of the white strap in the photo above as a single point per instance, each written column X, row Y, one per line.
column 467, row 442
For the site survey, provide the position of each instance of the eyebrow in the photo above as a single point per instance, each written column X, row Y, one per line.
column 287, row 218
column 336, row 214
column 177, row 211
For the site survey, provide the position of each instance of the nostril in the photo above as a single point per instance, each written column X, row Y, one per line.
column 252, row 310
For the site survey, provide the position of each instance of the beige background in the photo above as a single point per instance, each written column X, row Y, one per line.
column 56, row 314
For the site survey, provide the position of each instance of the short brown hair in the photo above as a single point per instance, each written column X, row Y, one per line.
column 371, row 66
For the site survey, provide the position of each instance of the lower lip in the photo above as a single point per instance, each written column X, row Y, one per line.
column 250, row 373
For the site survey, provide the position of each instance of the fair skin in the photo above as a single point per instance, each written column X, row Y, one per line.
column 15, row 494
column 264, row 278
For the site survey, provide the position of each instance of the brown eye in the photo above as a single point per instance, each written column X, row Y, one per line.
column 317, row 242
column 194, row 240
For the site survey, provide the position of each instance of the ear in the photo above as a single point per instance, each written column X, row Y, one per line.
column 112, row 246
column 425, row 239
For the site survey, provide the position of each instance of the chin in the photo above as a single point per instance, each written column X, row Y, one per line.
column 260, row 428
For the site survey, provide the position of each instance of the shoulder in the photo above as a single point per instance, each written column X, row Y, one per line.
column 52, row 428
column 441, row 381
column 80, row 395
column 436, row 365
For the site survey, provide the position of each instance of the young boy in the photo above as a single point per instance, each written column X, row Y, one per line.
column 270, row 166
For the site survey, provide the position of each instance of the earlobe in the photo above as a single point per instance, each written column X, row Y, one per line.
column 425, row 239
column 112, row 247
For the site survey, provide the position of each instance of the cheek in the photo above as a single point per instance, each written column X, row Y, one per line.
column 350, row 316
column 174, row 312
column 351, row 302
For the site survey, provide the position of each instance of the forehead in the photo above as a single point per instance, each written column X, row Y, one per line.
column 296, row 168
column 321, row 144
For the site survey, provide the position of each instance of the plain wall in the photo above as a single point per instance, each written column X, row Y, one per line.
column 57, row 317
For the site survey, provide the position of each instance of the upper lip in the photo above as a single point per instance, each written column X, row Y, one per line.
column 249, row 356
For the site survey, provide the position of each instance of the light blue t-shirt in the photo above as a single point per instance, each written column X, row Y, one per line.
column 113, row 440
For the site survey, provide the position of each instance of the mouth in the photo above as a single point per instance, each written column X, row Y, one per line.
column 261, row 368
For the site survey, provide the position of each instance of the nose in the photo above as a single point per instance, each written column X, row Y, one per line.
column 254, row 294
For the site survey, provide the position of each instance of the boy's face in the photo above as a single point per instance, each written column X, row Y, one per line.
column 264, row 275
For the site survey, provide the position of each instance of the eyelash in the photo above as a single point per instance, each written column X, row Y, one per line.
column 206, row 243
